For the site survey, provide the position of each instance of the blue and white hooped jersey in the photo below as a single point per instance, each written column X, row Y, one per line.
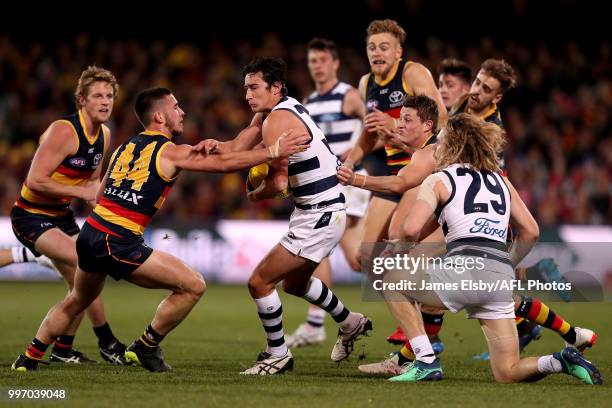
column 312, row 173
column 340, row 130
column 478, row 206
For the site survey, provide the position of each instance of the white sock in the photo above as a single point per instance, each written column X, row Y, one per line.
column 422, row 349
column 22, row 254
column 316, row 317
column 270, row 312
column 549, row 365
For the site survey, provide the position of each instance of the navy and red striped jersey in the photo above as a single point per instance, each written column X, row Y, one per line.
column 389, row 96
column 75, row 169
column 135, row 189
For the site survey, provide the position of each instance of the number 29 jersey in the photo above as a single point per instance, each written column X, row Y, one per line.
column 135, row 188
column 478, row 206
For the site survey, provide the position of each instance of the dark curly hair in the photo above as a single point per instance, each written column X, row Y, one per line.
column 273, row 70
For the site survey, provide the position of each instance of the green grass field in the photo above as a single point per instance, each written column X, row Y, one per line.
column 223, row 335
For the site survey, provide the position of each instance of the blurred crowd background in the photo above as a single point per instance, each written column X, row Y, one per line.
column 559, row 151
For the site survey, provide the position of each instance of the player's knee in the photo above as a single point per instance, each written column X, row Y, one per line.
column 195, row 286
column 255, row 283
column 73, row 260
column 199, row 286
column 503, row 377
column 358, row 258
column 75, row 303
column 258, row 286
column 502, row 371
column 354, row 262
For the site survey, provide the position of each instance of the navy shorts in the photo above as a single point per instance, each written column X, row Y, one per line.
column 28, row 227
column 100, row 252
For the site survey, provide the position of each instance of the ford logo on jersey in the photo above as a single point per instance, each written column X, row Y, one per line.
column 484, row 226
column 78, row 162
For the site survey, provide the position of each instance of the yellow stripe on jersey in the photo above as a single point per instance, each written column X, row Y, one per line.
column 155, row 133
column 160, row 202
column 392, row 150
column 404, row 83
column 159, row 172
column 36, row 198
column 67, row 180
column 90, row 139
column 489, row 112
column 52, row 213
column 113, row 218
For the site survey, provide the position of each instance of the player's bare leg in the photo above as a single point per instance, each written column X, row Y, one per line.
column 433, row 317
column 61, row 250
column 376, row 226
column 355, row 229
column 295, row 272
column 164, row 271
column 507, row 366
column 60, row 318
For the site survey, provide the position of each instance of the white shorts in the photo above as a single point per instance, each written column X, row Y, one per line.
column 313, row 234
column 494, row 303
column 357, row 199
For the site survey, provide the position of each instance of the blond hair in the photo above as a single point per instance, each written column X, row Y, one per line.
column 387, row 26
column 469, row 140
column 94, row 74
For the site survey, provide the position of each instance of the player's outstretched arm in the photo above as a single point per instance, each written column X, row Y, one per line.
column 526, row 228
column 247, row 139
column 177, row 157
column 58, row 142
column 410, row 176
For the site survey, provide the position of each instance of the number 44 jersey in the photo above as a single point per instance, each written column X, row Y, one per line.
column 135, row 188
column 478, row 205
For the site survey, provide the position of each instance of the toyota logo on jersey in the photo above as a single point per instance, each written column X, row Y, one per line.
column 396, row 97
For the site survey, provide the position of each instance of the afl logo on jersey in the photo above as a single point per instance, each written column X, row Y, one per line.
column 96, row 160
column 371, row 104
column 77, row 162
column 396, row 97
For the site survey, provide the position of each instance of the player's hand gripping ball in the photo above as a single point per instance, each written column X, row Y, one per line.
column 257, row 174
